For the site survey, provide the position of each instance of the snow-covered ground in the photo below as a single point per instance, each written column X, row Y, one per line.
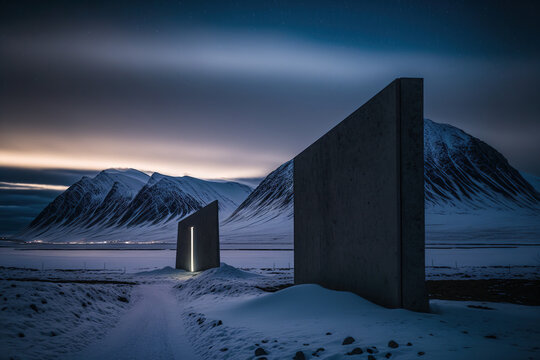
column 152, row 329
column 45, row 314
column 222, row 324
column 72, row 304
column 228, row 313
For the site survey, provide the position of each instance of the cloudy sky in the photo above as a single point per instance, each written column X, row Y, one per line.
column 233, row 89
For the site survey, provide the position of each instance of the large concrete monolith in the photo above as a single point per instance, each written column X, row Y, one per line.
column 359, row 202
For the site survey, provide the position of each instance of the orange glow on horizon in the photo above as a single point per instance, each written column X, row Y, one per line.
column 89, row 161
column 4, row 185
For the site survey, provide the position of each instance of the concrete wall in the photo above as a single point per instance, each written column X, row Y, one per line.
column 205, row 225
column 359, row 202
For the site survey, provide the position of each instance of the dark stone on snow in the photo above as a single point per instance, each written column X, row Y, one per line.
column 420, row 353
column 34, row 307
column 388, row 355
column 299, row 356
column 53, row 333
column 328, row 333
column 355, row 351
column 123, row 299
column 371, row 357
column 409, row 344
column 348, row 340
column 217, row 323
column 260, row 352
column 223, row 349
column 392, row 344
column 20, row 334
column 491, row 336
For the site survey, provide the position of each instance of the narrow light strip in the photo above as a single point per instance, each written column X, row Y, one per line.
column 4, row 185
column 192, row 265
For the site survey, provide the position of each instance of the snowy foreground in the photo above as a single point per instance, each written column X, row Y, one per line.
column 228, row 313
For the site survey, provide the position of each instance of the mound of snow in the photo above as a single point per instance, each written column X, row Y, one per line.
column 223, row 281
column 316, row 321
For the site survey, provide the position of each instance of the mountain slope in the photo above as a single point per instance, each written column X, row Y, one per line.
column 90, row 200
column 462, row 175
column 463, row 171
column 273, row 197
column 115, row 200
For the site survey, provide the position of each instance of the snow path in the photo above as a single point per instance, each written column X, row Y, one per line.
column 152, row 329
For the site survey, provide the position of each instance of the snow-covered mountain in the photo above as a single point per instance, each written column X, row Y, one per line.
column 91, row 201
column 471, row 192
column 462, row 175
column 265, row 218
column 129, row 201
column 465, row 172
column 272, row 198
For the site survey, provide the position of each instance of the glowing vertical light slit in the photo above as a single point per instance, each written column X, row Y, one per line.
column 192, row 265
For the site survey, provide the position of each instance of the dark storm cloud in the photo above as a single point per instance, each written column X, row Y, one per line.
column 19, row 207
column 232, row 90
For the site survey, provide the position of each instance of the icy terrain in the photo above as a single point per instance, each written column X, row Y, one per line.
column 227, row 313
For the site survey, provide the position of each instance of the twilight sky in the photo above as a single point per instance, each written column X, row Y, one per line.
column 233, row 89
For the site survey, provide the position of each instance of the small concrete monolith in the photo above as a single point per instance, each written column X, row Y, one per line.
column 198, row 240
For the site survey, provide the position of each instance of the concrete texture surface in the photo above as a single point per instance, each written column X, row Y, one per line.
column 359, row 202
column 205, row 225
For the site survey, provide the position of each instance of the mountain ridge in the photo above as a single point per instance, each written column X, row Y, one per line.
column 462, row 175
column 124, row 198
